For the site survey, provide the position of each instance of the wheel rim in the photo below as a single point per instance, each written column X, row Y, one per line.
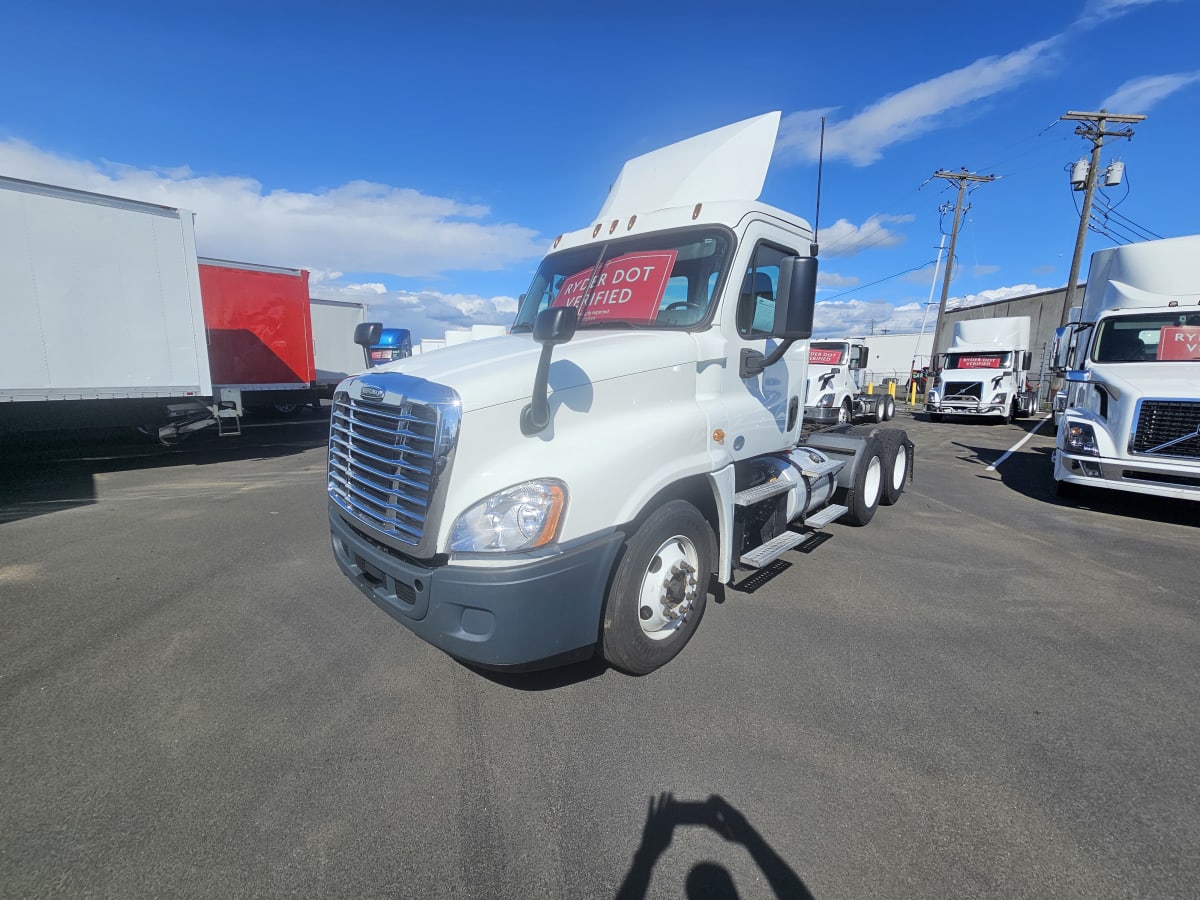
column 668, row 591
column 873, row 481
column 900, row 467
column 843, row 414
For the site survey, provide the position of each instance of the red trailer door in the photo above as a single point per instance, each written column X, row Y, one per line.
column 259, row 325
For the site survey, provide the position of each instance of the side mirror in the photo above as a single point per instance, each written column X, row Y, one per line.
column 555, row 325
column 1028, row 360
column 796, row 298
column 367, row 334
column 552, row 326
column 795, row 301
column 1062, row 349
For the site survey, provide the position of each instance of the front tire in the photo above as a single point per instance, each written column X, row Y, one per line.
column 660, row 588
column 844, row 413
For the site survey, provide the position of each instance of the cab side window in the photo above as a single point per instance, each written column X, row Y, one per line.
column 756, row 302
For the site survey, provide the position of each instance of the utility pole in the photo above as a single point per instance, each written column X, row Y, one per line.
column 963, row 178
column 1092, row 126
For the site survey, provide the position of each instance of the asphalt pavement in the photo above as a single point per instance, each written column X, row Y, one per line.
column 987, row 692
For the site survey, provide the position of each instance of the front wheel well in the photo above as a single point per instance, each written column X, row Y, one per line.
column 695, row 489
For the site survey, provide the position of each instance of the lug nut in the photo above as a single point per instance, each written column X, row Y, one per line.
column 646, row 613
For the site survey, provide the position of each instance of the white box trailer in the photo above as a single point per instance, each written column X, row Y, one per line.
column 334, row 351
column 100, row 298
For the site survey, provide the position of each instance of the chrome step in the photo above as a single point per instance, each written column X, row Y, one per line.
column 772, row 549
column 763, row 491
column 825, row 515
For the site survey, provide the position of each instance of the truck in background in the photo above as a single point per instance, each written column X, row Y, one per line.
column 103, row 316
column 579, row 482
column 1131, row 417
column 984, row 372
column 335, row 355
column 393, row 344
column 835, row 393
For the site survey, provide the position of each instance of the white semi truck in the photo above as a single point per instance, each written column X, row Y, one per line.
column 1131, row 420
column 522, row 500
column 984, row 372
column 835, row 393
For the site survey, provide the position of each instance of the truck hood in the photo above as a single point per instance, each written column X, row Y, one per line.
column 500, row 370
column 1163, row 381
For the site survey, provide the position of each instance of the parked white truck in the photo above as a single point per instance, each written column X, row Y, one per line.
column 984, row 372
column 835, row 393
column 1132, row 361
column 519, row 501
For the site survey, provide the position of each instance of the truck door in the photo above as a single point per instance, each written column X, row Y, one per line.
column 765, row 408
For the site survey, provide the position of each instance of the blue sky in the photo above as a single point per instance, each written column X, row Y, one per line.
column 421, row 160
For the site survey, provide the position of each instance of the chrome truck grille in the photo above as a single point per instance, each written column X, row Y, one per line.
column 388, row 458
column 1167, row 428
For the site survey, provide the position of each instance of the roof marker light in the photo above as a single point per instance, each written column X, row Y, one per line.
column 632, row 219
column 612, row 227
column 596, row 230
column 696, row 211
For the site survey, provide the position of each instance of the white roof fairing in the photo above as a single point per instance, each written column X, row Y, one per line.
column 728, row 163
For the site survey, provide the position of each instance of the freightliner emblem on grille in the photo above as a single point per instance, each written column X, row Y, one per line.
column 370, row 392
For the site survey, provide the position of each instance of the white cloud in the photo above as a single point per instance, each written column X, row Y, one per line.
column 834, row 280
column 427, row 314
column 838, row 317
column 355, row 227
column 843, row 238
column 1139, row 94
column 1098, row 11
column 991, row 296
column 979, row 270
column 862, row 138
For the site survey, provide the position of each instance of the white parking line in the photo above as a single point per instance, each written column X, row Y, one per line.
column 1019, row 444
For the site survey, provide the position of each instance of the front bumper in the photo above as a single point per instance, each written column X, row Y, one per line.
column 967, row 409
column 821, row 415
column 1139, row 476
column 532, row 614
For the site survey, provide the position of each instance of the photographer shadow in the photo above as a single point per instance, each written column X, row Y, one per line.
column 706, row 880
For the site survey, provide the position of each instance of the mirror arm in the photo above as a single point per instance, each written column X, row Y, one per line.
column 536, row 414
column 752, row 362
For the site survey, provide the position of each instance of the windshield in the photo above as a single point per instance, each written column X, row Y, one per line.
column 662, row 280
column 1153, row 337
column 979, row 361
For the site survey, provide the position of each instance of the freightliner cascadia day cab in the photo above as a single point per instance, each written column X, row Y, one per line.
column 984, row 372
column 1131, row 420
column 520, row 501
column 835, row 393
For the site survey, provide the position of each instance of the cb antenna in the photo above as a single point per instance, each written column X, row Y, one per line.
column 815, row 246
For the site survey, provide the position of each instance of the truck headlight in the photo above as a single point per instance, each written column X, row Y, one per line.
column 1000, row 398
column 1080, row 438
column 825, row 402
column 934, row 396
column 517, row 518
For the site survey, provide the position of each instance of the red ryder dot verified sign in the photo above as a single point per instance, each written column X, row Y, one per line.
column 628, row 288
column 1179, row 343
column 824, row 356
column 978, row 362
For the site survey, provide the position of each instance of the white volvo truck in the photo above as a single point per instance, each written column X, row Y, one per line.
column 984, row 371
column 522, row 500
column 835, row 393
column 1132, row 361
